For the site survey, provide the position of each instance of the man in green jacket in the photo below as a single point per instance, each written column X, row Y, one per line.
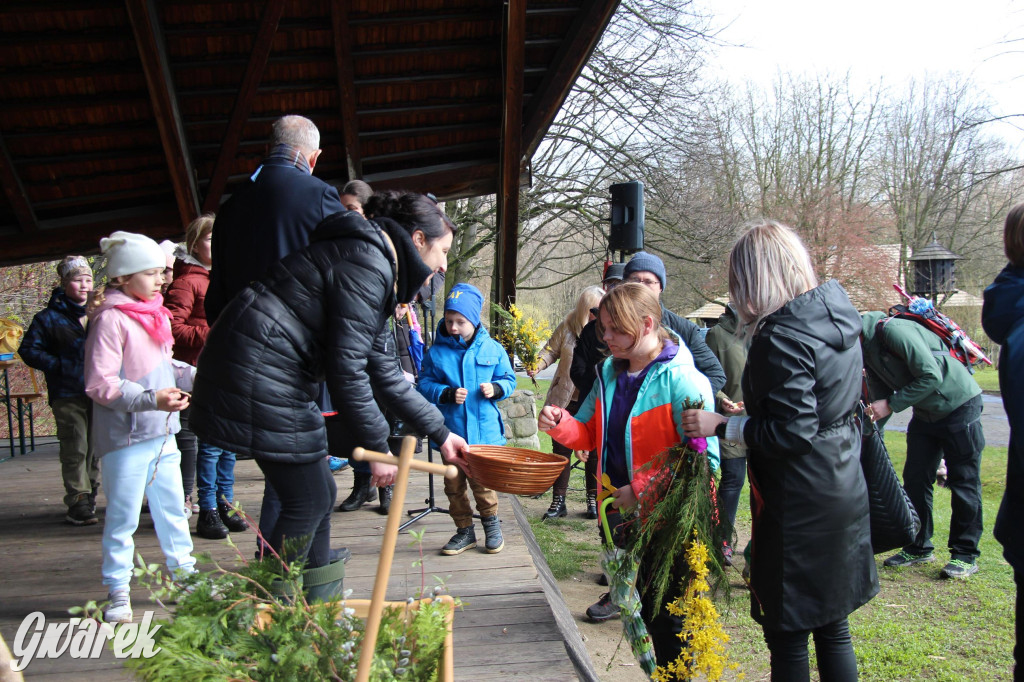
column 910, row 366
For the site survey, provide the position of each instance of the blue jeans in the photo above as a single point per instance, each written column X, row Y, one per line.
column 734, row 471
column 215, row 476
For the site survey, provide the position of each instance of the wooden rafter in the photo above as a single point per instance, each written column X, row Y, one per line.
column 586, row 30
column 146, row 26
column 510, row 164
column 243, row 102
column 15, row 192
column 346, row 89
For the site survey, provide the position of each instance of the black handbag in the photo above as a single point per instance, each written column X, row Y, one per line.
column 894, row 521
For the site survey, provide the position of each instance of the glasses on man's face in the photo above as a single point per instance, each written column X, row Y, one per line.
column 646, row 282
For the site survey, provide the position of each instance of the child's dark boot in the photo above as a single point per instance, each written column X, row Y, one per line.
column 464, row 538
column 232, row 521
column 210, row 526
column 493, row 543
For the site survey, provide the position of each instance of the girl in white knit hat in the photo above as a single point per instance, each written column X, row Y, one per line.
column 130, row 378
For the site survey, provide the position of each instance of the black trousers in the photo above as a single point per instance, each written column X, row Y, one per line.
column 306, row 493
column 959, row 438
column 832, row 644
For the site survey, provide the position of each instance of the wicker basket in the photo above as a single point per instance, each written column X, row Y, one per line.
column 518, row 471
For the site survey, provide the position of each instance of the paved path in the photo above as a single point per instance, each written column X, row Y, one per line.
column 993, row 421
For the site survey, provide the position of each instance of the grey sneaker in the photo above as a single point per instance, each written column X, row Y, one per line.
column 603, row 610
column 119, row 607
column 81, row 513
column 959, row 569
column 494, row 543
column 464, row 538
column 902, row 558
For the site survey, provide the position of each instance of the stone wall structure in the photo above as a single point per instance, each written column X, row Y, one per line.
column 519, row 412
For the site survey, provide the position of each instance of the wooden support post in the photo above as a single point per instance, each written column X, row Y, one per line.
column 514, row 35
column 405, row 462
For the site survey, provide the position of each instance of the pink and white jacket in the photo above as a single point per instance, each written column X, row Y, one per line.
column 124, row 367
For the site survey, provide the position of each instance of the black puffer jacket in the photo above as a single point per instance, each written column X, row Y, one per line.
column 812, row 562
column 319, row 314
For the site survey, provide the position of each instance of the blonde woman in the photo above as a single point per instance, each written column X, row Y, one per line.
column 811, row 559
column 563, row 393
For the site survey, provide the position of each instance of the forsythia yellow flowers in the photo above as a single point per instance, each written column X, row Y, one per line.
column 703, row 638
column 522, row 336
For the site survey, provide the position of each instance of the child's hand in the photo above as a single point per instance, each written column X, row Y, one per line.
column 487, row 388
column 460, row 395
column 171, row 399
column 549, row 417
column 729, row 407
column 624, row 497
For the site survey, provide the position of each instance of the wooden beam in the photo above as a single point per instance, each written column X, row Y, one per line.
column 581, row 40
column 510, row 164
column 81, row 234
column 15, row 191
column 243, row 102
column 142, row 14
column 350, row 151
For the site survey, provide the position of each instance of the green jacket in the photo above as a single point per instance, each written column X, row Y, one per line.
column 914, row 365
column 731, row 351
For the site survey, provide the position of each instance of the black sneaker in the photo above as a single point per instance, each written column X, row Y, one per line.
column 210, row 526
column 603, row 610
column 81, row 513
column 902, row 558
column 726, row 555
column 959, row 569
column 232, row 521
column 464, row 538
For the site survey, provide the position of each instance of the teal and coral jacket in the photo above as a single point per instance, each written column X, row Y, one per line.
column 655, row 420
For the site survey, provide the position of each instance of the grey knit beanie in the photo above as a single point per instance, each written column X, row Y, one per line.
column 646, row 262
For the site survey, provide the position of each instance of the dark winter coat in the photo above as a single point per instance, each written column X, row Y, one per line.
column 55, row 344
column 812, row 562
column 319, row 314
column 1003, row 320
column 270, row 216
column 731, row 351
column 185, row 298
column 589, row 351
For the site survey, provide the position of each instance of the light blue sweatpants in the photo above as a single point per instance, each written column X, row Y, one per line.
column 126, row 476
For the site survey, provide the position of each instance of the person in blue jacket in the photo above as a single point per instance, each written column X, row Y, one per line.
column 465, row 373
column 1003, row 320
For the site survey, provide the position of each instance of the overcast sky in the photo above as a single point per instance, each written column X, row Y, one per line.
column 894, row 39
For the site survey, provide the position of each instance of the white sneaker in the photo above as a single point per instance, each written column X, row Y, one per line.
column 119, row 607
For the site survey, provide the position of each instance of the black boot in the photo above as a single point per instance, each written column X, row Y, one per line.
column 556, row 509
column 362, row 492
column 384, row 494
column 233, row 522
column 591, row 512
column 210, row 526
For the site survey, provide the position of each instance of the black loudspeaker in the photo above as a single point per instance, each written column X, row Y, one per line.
column 627, row 232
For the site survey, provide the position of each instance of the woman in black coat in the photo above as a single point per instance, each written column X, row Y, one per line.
column 811, row 558
column 320, row 315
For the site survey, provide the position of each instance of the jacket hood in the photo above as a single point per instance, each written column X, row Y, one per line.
column 824, row 313
column 728, row 320
column 1004, row 304
column 869, row 323
column 61, row 303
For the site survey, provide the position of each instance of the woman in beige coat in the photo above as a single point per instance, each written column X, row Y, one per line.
column 563, row 394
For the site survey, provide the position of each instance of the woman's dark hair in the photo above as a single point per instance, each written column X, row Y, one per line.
column 410, row 210
column 1013, row 236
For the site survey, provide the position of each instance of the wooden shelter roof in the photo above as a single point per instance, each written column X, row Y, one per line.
column 137, row 114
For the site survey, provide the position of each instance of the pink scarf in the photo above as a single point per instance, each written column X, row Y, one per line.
column 153, row 316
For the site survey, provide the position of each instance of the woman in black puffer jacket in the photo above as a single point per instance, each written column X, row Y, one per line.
column 320, row 315
column 811, row 559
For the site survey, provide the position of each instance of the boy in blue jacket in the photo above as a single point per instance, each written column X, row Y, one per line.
column 465, row 373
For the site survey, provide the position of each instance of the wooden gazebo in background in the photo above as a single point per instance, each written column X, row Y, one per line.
column 137, row 114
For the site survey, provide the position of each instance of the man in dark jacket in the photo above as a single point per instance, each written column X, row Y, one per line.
column 910, row 366
column 647, row 269
column 55, row 344
column 266, row 219
column 272, row 215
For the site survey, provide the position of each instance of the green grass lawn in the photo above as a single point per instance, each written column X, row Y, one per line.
column 918, row 627
column 987, row 377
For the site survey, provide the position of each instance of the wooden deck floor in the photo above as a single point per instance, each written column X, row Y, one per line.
column 507, row 629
